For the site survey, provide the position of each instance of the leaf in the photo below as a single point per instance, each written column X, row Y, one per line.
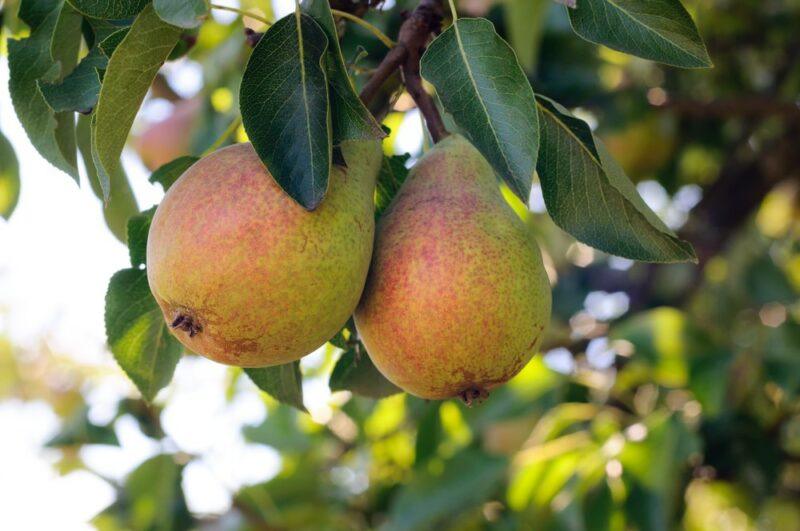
column 78, row 91
column 34, row 12
column 285, row 108
column 588, row 195
column 282, row 382
column 131, row 70
column 152, row 497
column 109, row 44
column 361, row 377
column 79, row 430
column 660, row 30
column 138, row 229
column 9, row 178
column 121, row 203
column 137, row 334
column 350, row 118
column 481, row 84
column 109, row 9
column 392, row 175
column 29, row 60
column 525, row 22
column 167, row 174
column 182, row 13
column 468, row 480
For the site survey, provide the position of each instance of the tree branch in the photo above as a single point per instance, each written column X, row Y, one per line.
column 411, row 41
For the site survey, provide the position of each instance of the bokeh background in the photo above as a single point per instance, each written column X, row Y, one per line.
column 665, row 397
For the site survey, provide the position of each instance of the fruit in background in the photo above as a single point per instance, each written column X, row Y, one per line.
column 457, row 298
column 165, row 141
column 643, row 147
column 244, row 274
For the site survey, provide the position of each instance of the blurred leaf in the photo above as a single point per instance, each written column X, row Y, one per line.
column 284, row 383
column 79, row 430
column 138, row 228
column 590, row 197
column 30, row 60
column 121, row 203
column 78, row 92
column 182, row 13
column 137, row 334
column 468, row 480
column 391, row 177
column 9, row 178
column 280, row 430
column 131, row 70
column 525, row 22
column 480, row 83
column 167, row 174
column 660, row 30
column 285, row 108
column 350, row 119
column 429, row 434
column 109, row 9
column 359, row 375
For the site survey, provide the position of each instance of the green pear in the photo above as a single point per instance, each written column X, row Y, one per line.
column 457, row 298
column 246, row 276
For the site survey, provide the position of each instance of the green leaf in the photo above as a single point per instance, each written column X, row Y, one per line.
column 109, row 9
column 79, row 430
column 78, row 91
column 182, row 13
column 480, row 83
column 131, row 70
column 138, row 229
column 167, row 174
column 391, row 177
column 350, row 119
column 660, row 30
column 525, row 22
column 285, row 108
column 137, row 334
column 34, row 12
column 29, row 60
column 588, row 195
column 9, row 178
column 121, row 203
column 359, row 375
column 109, row 44
column 467, row 481
column 284, row 383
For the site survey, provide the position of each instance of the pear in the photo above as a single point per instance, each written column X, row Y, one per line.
column 457, row 297
column 165, row 141
column 246, row 276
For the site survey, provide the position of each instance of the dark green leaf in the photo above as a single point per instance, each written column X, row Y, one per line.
column 285, row 110
column 78, row 92
column 182, row 13
column 109, row 44
column 130, row 72
column 350, row 119
column 360, row 376
column 284, row 383
column 468, row 480
column 29, row 60
column 167, row 174
column 9, row 178
column 137, row 334
column 34, row 12
column 138, row 228
column 480, row 83
column 121, row 203
column 392, row 175
column 109, row 9
column 64, row 47
column 660, row 30
column 588, row 195
column 78, row 430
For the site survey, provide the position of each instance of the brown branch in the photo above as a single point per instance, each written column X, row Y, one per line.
column 411, row 41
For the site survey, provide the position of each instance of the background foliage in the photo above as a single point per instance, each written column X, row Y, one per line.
column 666, row 396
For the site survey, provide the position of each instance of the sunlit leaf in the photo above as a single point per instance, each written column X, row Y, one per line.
column 9, row 178
column 284, row 383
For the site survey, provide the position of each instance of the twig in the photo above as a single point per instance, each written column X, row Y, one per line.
column 230, row 130
column 241, row 12
column 423, row 100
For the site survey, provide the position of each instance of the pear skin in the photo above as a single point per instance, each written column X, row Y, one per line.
column 246, row 276
column 457, row 298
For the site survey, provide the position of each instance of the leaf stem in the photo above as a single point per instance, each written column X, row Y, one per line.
column 453, row 10
column 389, row 43
column 230, row 130
column 241, row 12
